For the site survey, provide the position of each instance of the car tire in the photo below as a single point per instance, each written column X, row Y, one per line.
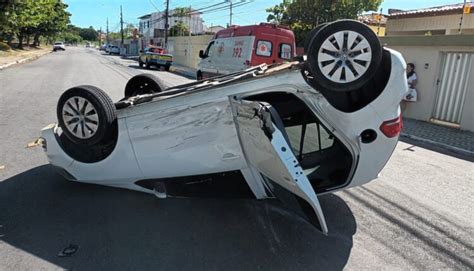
column 167, row 68
column 143, row 84
column 140, row 63
column 343, row 56
column 147, row 65
column 311, row 35
column 86, row 115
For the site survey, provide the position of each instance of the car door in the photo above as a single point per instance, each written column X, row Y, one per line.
column 266, row 148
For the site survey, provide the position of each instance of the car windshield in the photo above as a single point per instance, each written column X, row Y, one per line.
column 157, row 50
column 58, row 43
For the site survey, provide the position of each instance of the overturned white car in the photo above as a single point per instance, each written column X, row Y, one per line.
column 291, row 131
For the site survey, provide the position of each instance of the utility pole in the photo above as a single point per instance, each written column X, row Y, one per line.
column 121, row 27
column 380, row 22
column 100, row 37
column 230, row 24
column 166, row 23
column 190, row 20
column 466, row 8
column 107, row 32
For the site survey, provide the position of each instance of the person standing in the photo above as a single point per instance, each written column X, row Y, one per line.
column 412, row 79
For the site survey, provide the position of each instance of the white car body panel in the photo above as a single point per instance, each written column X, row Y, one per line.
column 221, row 58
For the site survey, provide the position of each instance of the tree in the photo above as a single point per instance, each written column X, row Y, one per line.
column 304, row 15
column 179, row 29
column 32, row 18
column 89, row 34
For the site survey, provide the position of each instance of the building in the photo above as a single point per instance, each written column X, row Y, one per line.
column 215, row 28
column 376, row 21
column 152, row 26
column 443, row 20
column 444, row 60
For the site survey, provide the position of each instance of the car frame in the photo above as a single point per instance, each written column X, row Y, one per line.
column 155, row 56
column 242, row 122
column 59, row 45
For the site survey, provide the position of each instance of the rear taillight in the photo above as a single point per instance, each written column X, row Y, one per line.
column 392, row 128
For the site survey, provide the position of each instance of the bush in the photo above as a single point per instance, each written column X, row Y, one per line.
column 4, row 47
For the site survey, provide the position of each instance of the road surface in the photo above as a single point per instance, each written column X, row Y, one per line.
column 417, row 215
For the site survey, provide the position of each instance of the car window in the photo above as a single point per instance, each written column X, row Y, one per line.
column 316, row 137
column 209, row 49
column 285, row 51
column 264, row 48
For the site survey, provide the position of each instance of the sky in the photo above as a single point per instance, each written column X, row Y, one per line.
column 94, row 13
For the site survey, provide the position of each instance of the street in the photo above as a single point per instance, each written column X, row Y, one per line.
column 417, row 215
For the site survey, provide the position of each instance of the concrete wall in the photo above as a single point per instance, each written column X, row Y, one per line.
column 424, row 51
column 185, row 50
column 447, row 24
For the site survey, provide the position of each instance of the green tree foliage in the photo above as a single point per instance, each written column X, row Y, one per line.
column 304, row 15
column 89, row 34
column 32, row 19
column 179, row 29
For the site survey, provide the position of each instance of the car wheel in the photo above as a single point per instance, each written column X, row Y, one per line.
column 140, row 63
column 311, row 35
column 343, row 56
column 147, row 65
column 143, row 84
column 86, row 115
column 167, row 68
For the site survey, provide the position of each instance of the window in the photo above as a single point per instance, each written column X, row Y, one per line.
column 315, row 138
column 285, row 51
column 264, row 48
column 208, row 52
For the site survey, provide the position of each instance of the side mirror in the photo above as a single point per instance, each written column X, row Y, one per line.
column 201, row 54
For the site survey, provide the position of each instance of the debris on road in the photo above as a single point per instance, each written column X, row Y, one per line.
column 68, row 251
column 2, row 167
column 33, row 144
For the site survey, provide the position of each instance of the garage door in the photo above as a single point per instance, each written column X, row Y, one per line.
column 453, row 83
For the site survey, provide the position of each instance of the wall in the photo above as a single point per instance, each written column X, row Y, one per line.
column 185, row 50
column 428, row 50
column 448, row 24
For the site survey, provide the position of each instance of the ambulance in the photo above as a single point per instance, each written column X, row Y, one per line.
column 240, row 47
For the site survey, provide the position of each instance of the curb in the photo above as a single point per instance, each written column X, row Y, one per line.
column 23, row 60
column 184, row 73
column 438, row 144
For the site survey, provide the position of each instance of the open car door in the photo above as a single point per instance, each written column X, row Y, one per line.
column 265, row 144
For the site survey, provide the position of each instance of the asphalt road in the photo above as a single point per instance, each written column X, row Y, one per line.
column 418, row 215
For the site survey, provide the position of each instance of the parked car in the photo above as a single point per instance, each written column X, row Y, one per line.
column 155, row 56
column 88, row 45
column 292, row 131
column 240, row 47
column 114, row 50
column 107, row 48
column 59, row 45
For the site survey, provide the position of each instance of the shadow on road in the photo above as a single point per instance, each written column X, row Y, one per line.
column 120, row 229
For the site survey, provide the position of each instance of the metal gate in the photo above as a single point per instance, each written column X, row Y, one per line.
column 453, row 83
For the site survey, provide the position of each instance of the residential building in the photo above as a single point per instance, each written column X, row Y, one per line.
column 152, row 26
column 215, row 28
column 376, row 21
column 442, row 20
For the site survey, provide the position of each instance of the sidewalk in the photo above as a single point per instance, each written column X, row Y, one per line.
column 11, row 58
column 455, row 140
column 175, row 68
